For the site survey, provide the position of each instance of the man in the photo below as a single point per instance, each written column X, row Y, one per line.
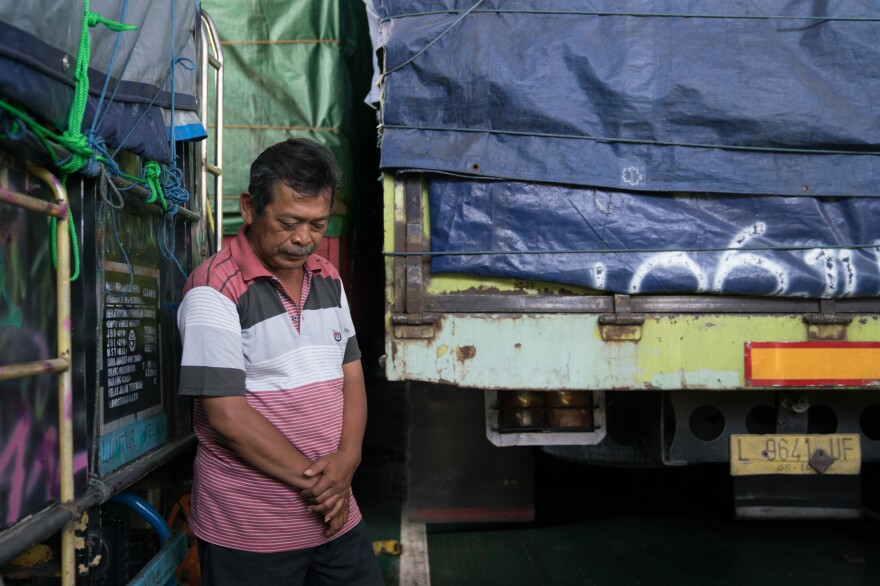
column 270, row 354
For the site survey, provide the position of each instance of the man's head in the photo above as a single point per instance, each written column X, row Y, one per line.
column 288, row 203
column 302, row 165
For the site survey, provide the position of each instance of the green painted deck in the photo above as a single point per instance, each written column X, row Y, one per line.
column 651, row 527
column 601, row 526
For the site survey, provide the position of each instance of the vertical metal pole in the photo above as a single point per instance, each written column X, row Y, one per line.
column 65, row 378
column 218, row 142
column 211, row 42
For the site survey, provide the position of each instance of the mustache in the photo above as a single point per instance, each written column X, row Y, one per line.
column 298, row 250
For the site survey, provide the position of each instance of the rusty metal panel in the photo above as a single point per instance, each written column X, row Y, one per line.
column 567, row 351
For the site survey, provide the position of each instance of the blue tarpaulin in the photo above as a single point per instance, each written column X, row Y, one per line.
column 704, row 122
column 648, row 243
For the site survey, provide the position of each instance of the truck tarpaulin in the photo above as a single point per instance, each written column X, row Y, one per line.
column 40, row 45
column 733, row 145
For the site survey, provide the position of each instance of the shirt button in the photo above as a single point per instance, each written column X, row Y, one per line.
column 296, row 318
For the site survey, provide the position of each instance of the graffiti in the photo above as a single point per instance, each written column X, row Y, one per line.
column 733, row 260
column 665, row 261
column 835, row 269
column 29, row 469
column 10, row 315
column 827, row 262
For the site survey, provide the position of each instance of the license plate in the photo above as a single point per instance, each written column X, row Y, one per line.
column 839, row 453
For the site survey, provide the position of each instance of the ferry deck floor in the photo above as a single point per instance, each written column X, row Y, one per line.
column 605, row 526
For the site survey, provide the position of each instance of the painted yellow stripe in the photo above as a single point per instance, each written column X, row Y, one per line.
column 815, row 363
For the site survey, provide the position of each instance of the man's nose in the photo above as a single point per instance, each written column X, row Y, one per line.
column 300, row 234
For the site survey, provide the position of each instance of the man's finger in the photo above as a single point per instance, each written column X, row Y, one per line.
column 324, row 507
column 316, row 468
column 337, row 507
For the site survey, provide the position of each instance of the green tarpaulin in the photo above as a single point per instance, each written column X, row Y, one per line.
column 292, row 69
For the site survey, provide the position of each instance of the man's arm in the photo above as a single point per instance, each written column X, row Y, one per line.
column 257, row 441
column 334, row 472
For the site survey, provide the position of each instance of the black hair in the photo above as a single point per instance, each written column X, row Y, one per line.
column 302, row 165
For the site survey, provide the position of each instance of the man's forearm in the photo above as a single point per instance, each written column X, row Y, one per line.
column 354, row 409
column 256, row 440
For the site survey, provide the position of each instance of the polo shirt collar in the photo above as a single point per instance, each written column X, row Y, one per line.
column 250, row 266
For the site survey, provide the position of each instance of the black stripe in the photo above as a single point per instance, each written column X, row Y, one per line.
column 324, row 293
column 259, row 303
column 352, row 350
column 211, row 381
column 210, row 266
column 227, row 280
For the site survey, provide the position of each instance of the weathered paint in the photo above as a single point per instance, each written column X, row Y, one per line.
column 566, row 351
column 124, row 444
column 572, row 351
column 38, row 554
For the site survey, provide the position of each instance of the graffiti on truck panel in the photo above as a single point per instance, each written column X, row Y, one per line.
column 10, row 314
column 836, row 269
column 29, row 468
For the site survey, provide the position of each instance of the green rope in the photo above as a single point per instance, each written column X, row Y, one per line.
column 73, row 139
column 42, row 133
column 74, row 245
column 152, row 173
column 151, row 169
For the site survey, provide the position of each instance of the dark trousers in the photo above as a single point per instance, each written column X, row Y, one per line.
column 348, row 560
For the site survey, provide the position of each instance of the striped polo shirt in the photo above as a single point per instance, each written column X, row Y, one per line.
column 243, row 335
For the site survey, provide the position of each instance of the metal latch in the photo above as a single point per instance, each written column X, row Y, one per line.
column 827, row 325
column 622, row 325
column 413, row 325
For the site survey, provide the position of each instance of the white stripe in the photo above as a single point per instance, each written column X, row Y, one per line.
column 415, row 567
column 205, row 306
column 210, row 330
column 297, row 368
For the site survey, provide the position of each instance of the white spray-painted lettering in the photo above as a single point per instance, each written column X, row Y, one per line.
column 835, row 267
column 732, row 260
column 667, row 260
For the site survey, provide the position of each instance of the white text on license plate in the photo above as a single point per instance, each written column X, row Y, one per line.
column 839, row 453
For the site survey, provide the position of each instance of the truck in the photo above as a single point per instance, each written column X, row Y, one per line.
column 108, row 198
column 113, row 188
column 639, row 234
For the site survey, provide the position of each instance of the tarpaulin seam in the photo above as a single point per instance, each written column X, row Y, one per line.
column 263, row 127
column 284, row 42
column 630, row 14
column 631, row 140
column 605, row 251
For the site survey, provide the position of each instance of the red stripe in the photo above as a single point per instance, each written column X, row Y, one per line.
column 843, row 382
column 813, row 344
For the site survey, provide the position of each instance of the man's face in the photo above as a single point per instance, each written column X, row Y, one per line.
column 290, row 228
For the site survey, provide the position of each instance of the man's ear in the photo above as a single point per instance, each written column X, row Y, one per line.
column 246, row 207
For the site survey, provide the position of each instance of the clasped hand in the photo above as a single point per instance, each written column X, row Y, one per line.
column 329, row 495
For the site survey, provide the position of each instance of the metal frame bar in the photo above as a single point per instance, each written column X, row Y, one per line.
column 42, row 525
column 61, row 365
column 210, row 39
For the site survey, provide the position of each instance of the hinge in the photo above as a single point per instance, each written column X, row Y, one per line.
column 827, row 325
column 622, row 325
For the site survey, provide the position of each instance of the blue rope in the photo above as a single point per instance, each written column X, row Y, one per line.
column 101, row 221
column 162, row 240
column 13, row 129
column 172, row 176
column 93, row 140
